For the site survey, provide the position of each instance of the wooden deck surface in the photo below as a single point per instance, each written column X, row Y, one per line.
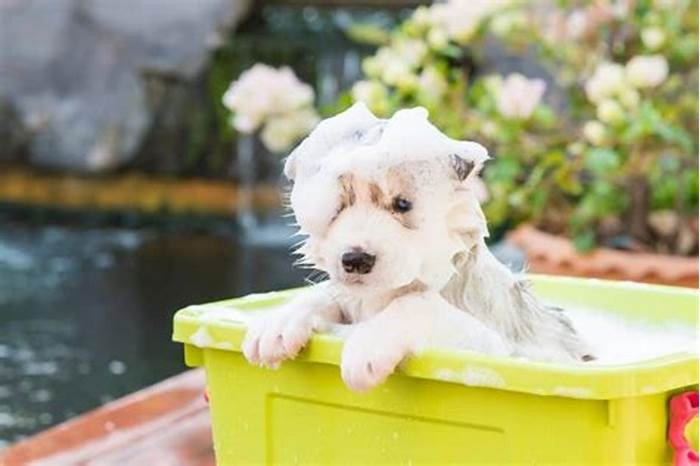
column 163, row 425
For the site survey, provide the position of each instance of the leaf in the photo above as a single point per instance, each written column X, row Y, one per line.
column 602, row 161
column 585, row 241
column 675, row 135
column 503, row 169
column 452, row 51
column 370, row 34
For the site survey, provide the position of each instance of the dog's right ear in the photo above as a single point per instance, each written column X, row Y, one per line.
column 467, row 159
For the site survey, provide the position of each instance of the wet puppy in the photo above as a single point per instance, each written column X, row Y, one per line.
column 388, row 210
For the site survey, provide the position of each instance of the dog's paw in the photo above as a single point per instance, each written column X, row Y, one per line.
column 277, row 337
column 369, row 358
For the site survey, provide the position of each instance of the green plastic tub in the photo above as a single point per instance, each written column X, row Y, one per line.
column 445, row 407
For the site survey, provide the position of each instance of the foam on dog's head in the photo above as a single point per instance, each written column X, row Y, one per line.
column 378, row 160
column 409, row 136
column 406, row 136
column 346, row 128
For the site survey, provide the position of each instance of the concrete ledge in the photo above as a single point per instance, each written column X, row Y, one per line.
column 128, row 192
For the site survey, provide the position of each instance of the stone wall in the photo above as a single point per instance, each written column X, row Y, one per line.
column 86, row 85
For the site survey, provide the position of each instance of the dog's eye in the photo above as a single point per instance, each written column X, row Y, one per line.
column 401, row 205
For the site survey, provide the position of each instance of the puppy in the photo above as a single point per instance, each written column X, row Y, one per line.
column 389, row 212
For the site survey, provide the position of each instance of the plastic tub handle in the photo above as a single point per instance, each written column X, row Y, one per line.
column 684, row 408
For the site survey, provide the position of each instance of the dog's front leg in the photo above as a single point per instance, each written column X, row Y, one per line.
column 284, row 332
column 407, row 325
column 376, row 346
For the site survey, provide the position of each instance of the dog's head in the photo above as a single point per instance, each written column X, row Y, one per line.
column 385, row 203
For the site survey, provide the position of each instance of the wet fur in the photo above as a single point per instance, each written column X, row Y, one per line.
column 486, row 289
column 435, row 282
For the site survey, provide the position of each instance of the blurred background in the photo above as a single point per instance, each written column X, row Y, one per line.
column 141, row 145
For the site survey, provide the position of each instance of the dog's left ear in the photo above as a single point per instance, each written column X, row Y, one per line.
column 468, row 158
column 290, row 167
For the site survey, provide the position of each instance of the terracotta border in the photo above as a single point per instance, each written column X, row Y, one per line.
column 551, row 254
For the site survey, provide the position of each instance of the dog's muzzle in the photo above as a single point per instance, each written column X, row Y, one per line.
column 358, row 261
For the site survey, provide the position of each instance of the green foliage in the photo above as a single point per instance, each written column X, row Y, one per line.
column 624, row 82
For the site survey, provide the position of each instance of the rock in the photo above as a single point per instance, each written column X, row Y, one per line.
column 13, row 136
column 75, row 71
column 664, row 223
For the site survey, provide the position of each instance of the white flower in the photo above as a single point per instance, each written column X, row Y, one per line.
column 608, row 79
column 437, row 38
column 493, row 83
column 505, row 23
column 595, row 132
column 461, row 18
column 390, row 66
column 410, row 51
column 621, row 8
column 667, row 4
column 263, row 91
column 610, row 112
column 647, row 70
column 576, row 148
column 421, row 17
column 489, row 129
column 247, row 123
column 653, row 38
column 372, row 67
column 396, row 72
column 517, row 97
column 275, row 100
column 281, row 132
column 372, row 93
column 576, row 24
column 432, row 85
column 629, row 98
column 367, row 91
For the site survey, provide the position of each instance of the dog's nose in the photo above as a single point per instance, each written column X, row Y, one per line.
column 358, row 262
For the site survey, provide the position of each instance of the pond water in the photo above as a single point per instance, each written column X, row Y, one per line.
column 86, row 312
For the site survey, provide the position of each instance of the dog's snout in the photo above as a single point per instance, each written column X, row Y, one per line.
column 358, row 261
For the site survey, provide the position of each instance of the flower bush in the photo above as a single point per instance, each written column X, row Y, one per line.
column 273, row 102
column 604, row 150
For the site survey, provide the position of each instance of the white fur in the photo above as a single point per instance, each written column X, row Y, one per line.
column 434, row 282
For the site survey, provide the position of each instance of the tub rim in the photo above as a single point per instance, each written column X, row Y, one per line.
column 593, row 382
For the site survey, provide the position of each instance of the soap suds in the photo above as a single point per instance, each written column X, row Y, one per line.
column 201, row 338
column 472, row 376
column 573, row 392
column 616, row 340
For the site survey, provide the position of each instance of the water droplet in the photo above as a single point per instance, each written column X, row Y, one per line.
column 40, row 368
column 41, row 396
column 7, row 420
column 117, row 367
column 103, row 261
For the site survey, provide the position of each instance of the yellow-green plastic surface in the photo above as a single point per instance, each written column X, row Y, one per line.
column 445, row 407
